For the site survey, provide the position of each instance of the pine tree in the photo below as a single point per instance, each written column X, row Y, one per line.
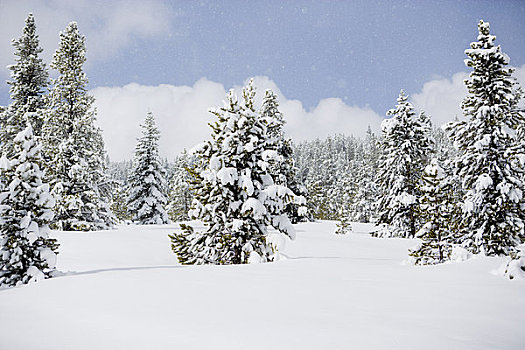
column 119, row 173
column 29, row 81
column 26, row 252
column 180, row 197
column 329, row 170
column 235, row 194
column 404, row 147
column 283, row 171
column 363, row 207
column 73, row 145
column 436, row 207
column 343, row 226
column 444, row 149
column 119, row 205
column 486, row 141
column 147, row 182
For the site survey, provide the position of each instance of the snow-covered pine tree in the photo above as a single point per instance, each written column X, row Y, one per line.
column 147, row 181
column 180, row 196
column 283, row 171
column 235, row 195
column 119, row 205
column 26, row 252
column 329, row 170
column 119, row 172
column 493, row 219
column 72, row 144
column 344, row 188
column 444, row 148
column 405, row 146
column 436, row 208
column 343, row 197
column 363, row 207
column 445, row 153
column 343, row 226
column 29, row 82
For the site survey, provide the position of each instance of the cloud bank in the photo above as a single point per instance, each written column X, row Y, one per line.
column 182, row 112
column 108, row 26
column 182, row 115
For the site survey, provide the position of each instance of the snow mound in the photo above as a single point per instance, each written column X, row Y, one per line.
column 513, row 269
column 35, row 273
column 460, row 254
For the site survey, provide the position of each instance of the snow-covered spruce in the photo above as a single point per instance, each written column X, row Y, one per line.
column 235, row 194
column 436, row 210
column 339, row 174
column 118, row 173
column 29, row 79
column 344, row 188
column 180, row 196
column 119, row 205
column 327, row 169
column 343, row 226
column 72, row 144
column 27, row 253
column 147, row 181
column 364, row 203
column 283, row 170
column 405, row 145
column 488, row 149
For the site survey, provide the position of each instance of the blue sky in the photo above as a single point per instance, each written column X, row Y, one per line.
column 362, row 52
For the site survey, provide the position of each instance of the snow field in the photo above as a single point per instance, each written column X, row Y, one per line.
column 125, row 290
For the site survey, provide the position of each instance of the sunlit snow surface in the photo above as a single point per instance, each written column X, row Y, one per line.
column 125, row 290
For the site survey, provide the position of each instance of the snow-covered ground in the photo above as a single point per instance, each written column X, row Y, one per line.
column 125, row 290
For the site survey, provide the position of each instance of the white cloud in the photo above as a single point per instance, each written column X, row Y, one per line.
column 182, row 115
column 108, row 25
column 329, row 117
column 441, row 98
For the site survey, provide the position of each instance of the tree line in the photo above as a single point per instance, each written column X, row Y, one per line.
column 457, row 188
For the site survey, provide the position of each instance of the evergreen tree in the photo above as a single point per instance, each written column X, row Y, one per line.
column 343, row 226
column 235, row 194
column 283, row 171
column 405, row 146
column 119, row 205
column 26, row 252
column 486, row 142
column 73, row 145
column 444, row 149
column 317, row 200
column 436, row 207
column 29, row 81
column 326, row 170
column 119, row 173
column 180, row 197
column 363, row 208
column 147, row 182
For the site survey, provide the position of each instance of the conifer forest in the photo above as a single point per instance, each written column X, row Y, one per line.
column 411, row 236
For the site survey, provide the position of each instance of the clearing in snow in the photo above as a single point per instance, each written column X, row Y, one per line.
column 123, row 289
